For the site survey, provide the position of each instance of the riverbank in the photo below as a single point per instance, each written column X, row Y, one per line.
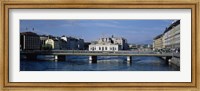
column 175, row 61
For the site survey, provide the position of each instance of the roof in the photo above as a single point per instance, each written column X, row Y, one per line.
column 72, row 38
column 172, row 25
column 159, row 36
column 43, row 35
column 29, row 33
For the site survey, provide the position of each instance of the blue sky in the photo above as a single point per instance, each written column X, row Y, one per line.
column 135, row 31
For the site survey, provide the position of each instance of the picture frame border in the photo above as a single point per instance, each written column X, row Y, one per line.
column 194, row 6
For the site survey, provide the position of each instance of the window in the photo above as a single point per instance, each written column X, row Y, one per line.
column 105, row 48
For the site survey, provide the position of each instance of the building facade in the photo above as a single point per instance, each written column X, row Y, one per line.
column 158, row 42
column 81, row 44
column 73, row 43
column 43, row 38
column 171, row 36
column 170, row 39
column 109, row 44
column 29, row 41
column 53, row 44
column 121, row 41
column 105, row 47
column 63, row 44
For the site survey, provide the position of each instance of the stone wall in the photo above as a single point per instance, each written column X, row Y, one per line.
column 175, row 61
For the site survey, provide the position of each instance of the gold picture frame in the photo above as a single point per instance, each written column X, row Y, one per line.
column 154, row 86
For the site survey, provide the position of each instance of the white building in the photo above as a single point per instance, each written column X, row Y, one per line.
column 104, row 47
column 109, row 44
column 53, row 44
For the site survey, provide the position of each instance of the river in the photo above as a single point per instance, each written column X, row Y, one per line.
column 104, row 63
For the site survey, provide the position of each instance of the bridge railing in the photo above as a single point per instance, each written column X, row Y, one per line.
column 86, row 51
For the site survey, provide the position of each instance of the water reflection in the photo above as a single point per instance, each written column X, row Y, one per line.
column 104, row 63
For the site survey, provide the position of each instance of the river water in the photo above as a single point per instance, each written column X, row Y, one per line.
column 104, row 63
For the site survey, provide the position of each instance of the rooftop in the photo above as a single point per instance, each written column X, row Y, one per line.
column 29, row 33
column 158, row 36
column 175, row 23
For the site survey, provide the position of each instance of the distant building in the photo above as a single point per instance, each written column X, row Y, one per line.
column 121, row 41
column 73, row 43
column 150, row 46
column 142, row 47
column 104, row 47
column 86, row 45
column 81, row 44
column 133, row 46
column 29, row 41
column 63, row 44
column 60, row 43
column 43, row 38
column 109, row 44
column 171, row 36
column 158, row 42
column 53, row 43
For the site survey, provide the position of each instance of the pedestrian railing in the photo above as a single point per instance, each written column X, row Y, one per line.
column 96, row 52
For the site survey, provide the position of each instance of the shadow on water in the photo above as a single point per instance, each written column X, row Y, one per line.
column 104, row 63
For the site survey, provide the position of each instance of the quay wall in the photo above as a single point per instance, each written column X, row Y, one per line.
column 175, row 61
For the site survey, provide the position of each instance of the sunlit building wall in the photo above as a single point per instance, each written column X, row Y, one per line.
column 171, row 37
column 158, row 42
column 53, row 44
